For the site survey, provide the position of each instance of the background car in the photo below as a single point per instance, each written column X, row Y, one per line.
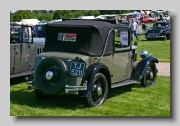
column 160, row 30
column 23, row 50
column 39, row 30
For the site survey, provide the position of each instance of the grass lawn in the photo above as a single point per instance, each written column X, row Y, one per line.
column 158, row 48
column 130, row 100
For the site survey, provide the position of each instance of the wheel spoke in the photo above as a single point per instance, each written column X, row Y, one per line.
column 95, row 98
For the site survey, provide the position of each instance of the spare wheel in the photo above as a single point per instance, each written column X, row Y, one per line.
column 51, row 75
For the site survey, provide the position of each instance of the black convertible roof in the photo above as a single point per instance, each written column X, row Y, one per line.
column 112, row 21
column 90, row 39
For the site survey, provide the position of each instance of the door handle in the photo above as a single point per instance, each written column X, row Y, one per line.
column 17, row 52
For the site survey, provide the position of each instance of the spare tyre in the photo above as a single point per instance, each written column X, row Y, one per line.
column 51, row 75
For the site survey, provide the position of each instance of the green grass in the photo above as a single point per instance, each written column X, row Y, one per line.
column 130, row 100
column 158, row 48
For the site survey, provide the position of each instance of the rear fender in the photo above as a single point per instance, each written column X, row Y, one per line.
column 90, row 73
column 139, row 70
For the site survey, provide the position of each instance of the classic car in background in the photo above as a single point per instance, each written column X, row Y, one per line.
column 160, row 30
column 23, row 50
column 95, row 61
column 39, row 30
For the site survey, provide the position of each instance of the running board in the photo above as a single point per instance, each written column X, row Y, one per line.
column 122, row 83
column 26, row 73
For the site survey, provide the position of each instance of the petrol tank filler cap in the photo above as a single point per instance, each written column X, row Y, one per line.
column 143, row 54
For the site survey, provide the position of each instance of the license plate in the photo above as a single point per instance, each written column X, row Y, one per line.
column 77, row 69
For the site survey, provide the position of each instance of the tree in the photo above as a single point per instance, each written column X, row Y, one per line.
column 51, row 11
column 23, row 14
column 43, row 11
column 59, row 14
column 78, row 13
column 11, row 17
column 47, row 17
column 93, row 13
column 36, row 12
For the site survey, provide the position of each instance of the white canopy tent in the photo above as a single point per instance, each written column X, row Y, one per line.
column 29, row 21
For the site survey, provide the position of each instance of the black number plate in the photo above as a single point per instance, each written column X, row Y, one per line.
column 77, row 69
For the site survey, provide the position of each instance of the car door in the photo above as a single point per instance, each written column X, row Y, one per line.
column 12, row 57
column 22, row 50
column 122, row 65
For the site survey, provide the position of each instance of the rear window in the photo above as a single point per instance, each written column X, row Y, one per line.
column 71, row 37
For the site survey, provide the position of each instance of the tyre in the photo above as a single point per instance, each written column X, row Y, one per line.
column 51, row 76
column 98, row 90
column 150, row 75
column 165, row 37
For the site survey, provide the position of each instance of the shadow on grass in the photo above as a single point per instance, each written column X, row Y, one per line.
column 153, row 40
column 72, row 102
column 122, row 89
column 17, row 80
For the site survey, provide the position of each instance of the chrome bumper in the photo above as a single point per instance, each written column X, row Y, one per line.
column 74, row 88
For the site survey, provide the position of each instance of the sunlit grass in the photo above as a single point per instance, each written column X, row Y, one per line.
column 130, row 100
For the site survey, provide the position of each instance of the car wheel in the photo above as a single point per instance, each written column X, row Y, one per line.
column 150, row 75
column 165, row 37
column 51, row 76
column 148, row 39
column 98, row 90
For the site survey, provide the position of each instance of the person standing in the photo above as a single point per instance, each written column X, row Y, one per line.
column 133, row 26
column 161, row 16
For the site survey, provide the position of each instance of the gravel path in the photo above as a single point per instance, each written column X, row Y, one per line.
column 163, row 68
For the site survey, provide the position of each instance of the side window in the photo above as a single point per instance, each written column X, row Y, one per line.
column 39, row 28
column 27, row 34
column 122, row 41
column 15, row 35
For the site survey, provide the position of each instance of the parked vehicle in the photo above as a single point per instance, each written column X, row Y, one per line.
column 151, row 19
column 144, row 20
column 23, row 50
column 92, row 63
column 160, row 30
column 39, row 31
column 166, row 17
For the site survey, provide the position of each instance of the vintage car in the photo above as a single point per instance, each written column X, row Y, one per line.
column 144, row 20
column 160, row 30
column 39, row 31
column 23, row 50
column 151, row 19
column 92, row 63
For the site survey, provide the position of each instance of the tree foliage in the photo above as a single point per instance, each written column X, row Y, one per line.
column 45, row 16
column 23, row 14
column 59, row 14
column 11, row 17
column 51, row 11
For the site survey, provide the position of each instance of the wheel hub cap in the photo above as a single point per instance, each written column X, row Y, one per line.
column 49, row 75
column 99, row 91
column 151, row 75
